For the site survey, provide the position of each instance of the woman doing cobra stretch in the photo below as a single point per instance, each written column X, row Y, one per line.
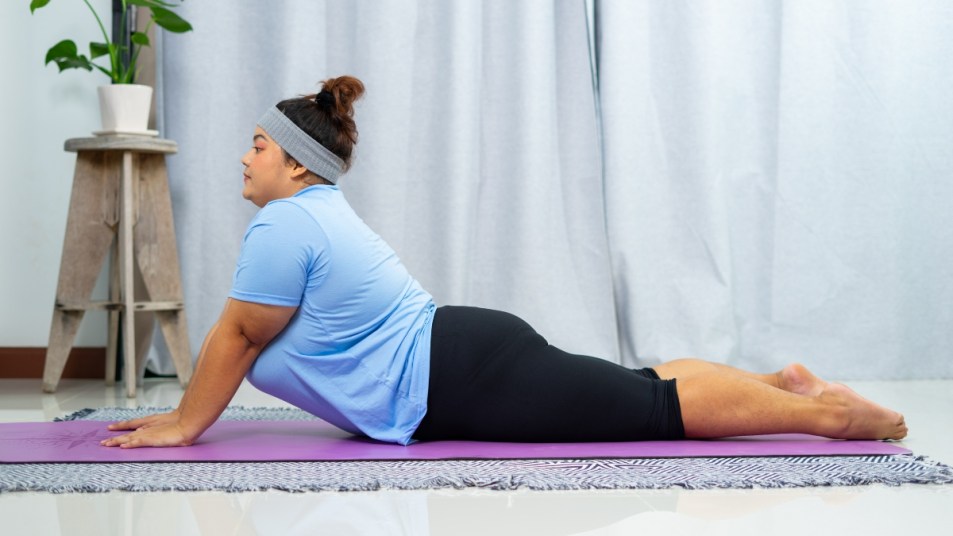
column 323, row 315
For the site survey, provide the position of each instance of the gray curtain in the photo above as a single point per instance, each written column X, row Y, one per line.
column 478, row 159
column 776, row 181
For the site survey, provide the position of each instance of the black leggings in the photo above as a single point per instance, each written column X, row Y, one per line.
column 493, row 378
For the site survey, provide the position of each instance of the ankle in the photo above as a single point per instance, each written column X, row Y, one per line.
column 835, row 421
column 779, row 380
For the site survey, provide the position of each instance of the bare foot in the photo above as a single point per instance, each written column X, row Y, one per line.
column 795, row 378
column 863, row 419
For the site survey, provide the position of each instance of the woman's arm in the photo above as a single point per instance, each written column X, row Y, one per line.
column 164, row 418
column 231, row 347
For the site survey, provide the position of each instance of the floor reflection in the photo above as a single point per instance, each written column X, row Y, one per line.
column 417, row 513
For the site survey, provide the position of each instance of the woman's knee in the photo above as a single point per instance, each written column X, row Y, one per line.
column 681, row 368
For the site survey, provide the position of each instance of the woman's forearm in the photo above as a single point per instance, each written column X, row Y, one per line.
column 198, row 366
column 223, row 362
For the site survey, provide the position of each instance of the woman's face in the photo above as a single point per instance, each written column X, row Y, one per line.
column 267, row 175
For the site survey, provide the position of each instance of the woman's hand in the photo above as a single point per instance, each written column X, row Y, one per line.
column 229, row 351
column 156, row 435
column 146, row 422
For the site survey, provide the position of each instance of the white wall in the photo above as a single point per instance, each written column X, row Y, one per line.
column 40, row 109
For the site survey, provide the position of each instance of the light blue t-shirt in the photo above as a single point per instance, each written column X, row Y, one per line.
column 357, row 351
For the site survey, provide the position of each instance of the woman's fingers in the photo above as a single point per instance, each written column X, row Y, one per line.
column 135, row 424
column 159, row 436
column 117, row 441
column 144, row 422
column 132, row 424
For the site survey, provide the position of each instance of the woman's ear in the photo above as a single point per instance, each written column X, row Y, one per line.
column 298, row 172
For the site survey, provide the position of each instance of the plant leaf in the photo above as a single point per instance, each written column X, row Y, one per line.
column 37, row 4
column 140, row 38
column 78, row 62
column 64, row 55
column 64, row 49
column 98, row 49
column 169, row 20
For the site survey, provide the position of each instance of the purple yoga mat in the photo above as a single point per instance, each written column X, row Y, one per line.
column 265, row 441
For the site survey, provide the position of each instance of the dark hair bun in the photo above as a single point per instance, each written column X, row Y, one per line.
column 325, row 100
column 346, row 90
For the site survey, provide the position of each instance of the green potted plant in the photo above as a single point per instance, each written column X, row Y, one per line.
column 123, row 96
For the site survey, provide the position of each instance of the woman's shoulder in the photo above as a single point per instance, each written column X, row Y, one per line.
column 323, row 214
column 282, row 220
column 289, row 208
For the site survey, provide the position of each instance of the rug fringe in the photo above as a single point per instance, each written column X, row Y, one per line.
column 503, row 475
column 76, row 415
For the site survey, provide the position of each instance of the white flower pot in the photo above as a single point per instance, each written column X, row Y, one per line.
column 124, row 108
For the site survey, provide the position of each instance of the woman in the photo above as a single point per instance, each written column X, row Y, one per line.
column 323, row 315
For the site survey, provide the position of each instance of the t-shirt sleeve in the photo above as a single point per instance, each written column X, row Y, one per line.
column 279, row 252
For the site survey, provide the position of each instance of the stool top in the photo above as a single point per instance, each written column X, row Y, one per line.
column 142, row 144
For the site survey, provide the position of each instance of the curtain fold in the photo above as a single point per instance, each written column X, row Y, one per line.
column 777, row 179
column 478, row 158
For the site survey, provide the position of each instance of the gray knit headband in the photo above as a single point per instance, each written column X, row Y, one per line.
column 302, row 147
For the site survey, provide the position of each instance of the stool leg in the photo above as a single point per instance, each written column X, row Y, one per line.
column 62, row 333
column 145, row 325
column 158, row 258
column 126, row 260
column 86, row 241
column 176, row 334
column 128, row 321
column 112, row 341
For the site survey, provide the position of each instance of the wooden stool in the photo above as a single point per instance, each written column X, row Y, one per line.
column 120, row 187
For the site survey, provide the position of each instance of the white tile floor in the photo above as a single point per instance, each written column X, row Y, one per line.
column 868, row 510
